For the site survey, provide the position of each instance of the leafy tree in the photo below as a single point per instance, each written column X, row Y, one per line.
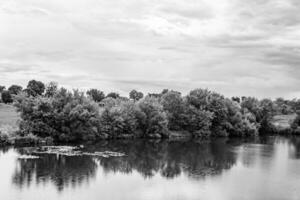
column 2, row 88
column 15, row 89
column 96, row 95
column 51, row 89
column 237, row 99
column 252, row 105
column 238, row 123
column 164, row 91
column 68, row 116
column 175, row 108
column 6, row 97
column 113, row 95
column 35, row 88
column 135, row 95
column 198, row 122
column 154, row 123
column 120, row 121
column 215, row 103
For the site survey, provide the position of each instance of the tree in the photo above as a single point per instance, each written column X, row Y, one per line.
column 2, row 88
column 215, row 103
column 69, row 116
column 237, row 99
column 135, row 95
column 51, row 89
column 6, row 97
column 113, row 95
column 96, row 95
column 15, row 89
column 120, row 120
column 198, row 121
column 175, row 108
column 155, row 122
column 35, row 88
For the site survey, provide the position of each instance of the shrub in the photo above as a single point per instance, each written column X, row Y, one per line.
column 68, row 116
column 6, row 97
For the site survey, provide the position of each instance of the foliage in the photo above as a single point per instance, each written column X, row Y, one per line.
column 206, row 100
column 15, row 89
column 113, row 95
column 51, row 89
column 120, row 120
column 68, row 116
column 6, row 97
column 175, row 108
column 135, row 95
column 96, row 95
column 154, row 122
column 72, row 116
column 35, row 88
column 2, row 88
column 198, row 122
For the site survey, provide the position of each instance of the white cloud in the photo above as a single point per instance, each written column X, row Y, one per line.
column 236, row 47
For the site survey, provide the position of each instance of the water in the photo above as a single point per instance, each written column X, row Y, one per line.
column 265, row 168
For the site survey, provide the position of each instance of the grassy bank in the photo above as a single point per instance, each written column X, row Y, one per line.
column 9, row 126
column 8, row 119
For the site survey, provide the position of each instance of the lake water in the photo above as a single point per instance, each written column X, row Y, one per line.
column 225, row 169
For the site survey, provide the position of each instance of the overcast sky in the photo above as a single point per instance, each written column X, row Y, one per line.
column 236, row 47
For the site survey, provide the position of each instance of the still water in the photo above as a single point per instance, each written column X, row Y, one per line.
column 225, row 169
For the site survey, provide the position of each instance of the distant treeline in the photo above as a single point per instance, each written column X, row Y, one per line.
column 48, row 111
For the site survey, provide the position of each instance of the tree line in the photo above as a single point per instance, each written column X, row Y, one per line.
column 50, row 111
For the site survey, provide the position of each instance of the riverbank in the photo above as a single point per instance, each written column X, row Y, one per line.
column 9, row 127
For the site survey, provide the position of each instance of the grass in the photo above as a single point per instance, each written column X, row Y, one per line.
column 8, row 119
column 283, row 121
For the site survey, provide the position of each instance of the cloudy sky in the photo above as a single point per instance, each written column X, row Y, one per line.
column 236, row 47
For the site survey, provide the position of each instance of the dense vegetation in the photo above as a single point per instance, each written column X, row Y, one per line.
column 48, row 111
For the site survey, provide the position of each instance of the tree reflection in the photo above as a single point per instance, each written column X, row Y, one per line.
column 167, row 158
column 170, row 159
column 62, row 171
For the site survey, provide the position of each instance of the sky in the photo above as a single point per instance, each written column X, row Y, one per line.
column 235, row 47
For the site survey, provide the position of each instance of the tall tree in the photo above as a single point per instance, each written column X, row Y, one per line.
column 51, row 89
column 96, row 95
column 15, row 89
column 135, row 95
column 35, row 88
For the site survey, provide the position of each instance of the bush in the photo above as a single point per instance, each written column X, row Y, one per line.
column 68, row 116
column 6, row 97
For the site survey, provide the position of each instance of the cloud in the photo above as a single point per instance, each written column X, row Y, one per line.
column 236, row 47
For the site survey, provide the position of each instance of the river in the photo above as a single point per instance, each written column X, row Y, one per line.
column 223, row 169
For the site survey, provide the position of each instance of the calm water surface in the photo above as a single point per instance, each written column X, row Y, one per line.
column 226, row 169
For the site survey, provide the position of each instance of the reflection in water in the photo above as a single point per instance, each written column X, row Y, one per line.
column 63, row 171
column 169, row 159
column 207, row 169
